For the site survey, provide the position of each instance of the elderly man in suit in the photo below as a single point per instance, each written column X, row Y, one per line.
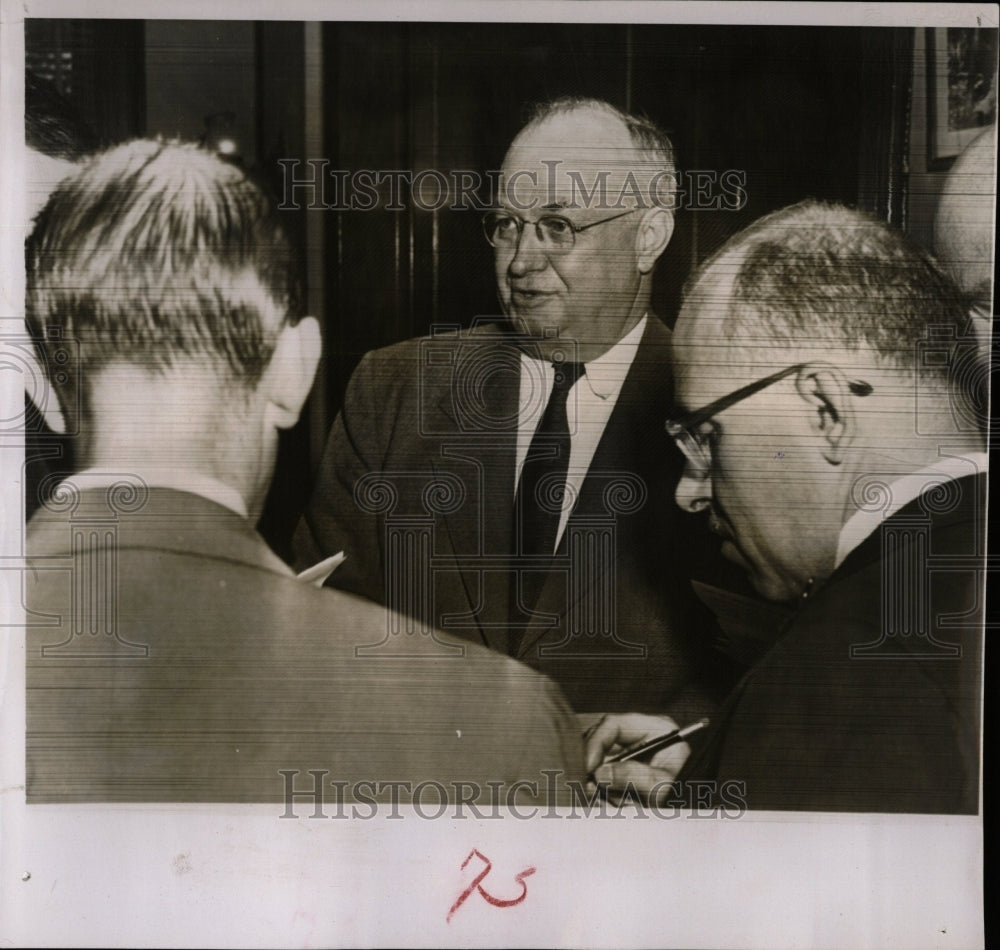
column 171, row 655
column 500, row 482
column 831, row 441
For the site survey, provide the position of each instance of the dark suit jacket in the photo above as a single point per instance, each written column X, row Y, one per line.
column 870, row 699
column 172, row 657
column 417, row 486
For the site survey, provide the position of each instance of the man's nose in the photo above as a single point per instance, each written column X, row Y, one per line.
column 694, row 491
column 529, row 253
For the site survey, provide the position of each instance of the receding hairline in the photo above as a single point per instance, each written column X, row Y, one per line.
column 609, row 117
column 712, row 271
column 579, row 154
column 797, row 276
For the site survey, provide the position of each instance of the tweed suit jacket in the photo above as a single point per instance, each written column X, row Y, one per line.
column 417, row 486
column 171, row 656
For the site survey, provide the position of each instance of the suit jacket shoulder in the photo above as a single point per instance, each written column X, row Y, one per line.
column 870, row 700
column 422, row 458
column 202, row 671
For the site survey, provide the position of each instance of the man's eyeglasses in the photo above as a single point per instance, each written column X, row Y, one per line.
column 554, row 232
column 694, row 432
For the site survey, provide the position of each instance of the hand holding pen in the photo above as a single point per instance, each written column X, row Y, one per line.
column 639, row 737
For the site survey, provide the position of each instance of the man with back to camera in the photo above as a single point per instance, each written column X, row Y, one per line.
column 833, row 447
column 171, row 656
column 498, row 482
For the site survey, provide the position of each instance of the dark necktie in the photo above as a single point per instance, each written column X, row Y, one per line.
column 538, row 504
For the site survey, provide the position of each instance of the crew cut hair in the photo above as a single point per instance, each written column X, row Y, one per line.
column 822, row 272
column 156, row 251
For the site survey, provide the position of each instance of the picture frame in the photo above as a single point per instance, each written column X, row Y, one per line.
column 961, row 88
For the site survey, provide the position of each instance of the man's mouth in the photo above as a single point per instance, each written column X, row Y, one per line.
column 523, row 297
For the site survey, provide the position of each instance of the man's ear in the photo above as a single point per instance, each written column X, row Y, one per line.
column 655, row 231
column 289, row 375
column 832, row 418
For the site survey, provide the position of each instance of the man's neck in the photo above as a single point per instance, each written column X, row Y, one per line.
column 880, row 495
column 184, row 424
column 156, row 447
column 893, row 459
column 176, row 478
column 583, row 351
column 639, row 310
column 184, row 468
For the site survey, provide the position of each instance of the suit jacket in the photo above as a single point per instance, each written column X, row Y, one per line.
column 870, row 699
column 172, row 657
column 417, row 485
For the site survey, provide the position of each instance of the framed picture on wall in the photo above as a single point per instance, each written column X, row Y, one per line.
column 962, row 87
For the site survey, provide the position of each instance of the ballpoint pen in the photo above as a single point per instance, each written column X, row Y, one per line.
column 657, row 743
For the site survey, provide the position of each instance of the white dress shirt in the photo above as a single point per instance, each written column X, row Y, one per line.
column 904, row 490
column 590, row 403
column 178, row 479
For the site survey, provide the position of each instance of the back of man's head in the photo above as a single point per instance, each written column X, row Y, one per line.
column 155, row 253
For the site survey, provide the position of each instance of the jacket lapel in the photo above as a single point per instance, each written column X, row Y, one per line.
column 479, row 421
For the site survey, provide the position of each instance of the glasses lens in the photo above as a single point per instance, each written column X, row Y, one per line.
column 501, row 229
column 556, row 231
column 696, row 451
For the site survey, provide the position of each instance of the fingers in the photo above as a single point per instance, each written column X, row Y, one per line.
column 628, row 780
column 623, row 730
column 594, row 725
column 672, row 758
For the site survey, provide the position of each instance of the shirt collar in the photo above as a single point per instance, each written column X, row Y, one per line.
column 606, row 374
column 901, row 492
column 178, row 479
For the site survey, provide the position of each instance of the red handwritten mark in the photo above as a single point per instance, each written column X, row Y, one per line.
column 477, row 884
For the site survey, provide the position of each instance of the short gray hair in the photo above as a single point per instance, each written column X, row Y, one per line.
column 823, row 272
